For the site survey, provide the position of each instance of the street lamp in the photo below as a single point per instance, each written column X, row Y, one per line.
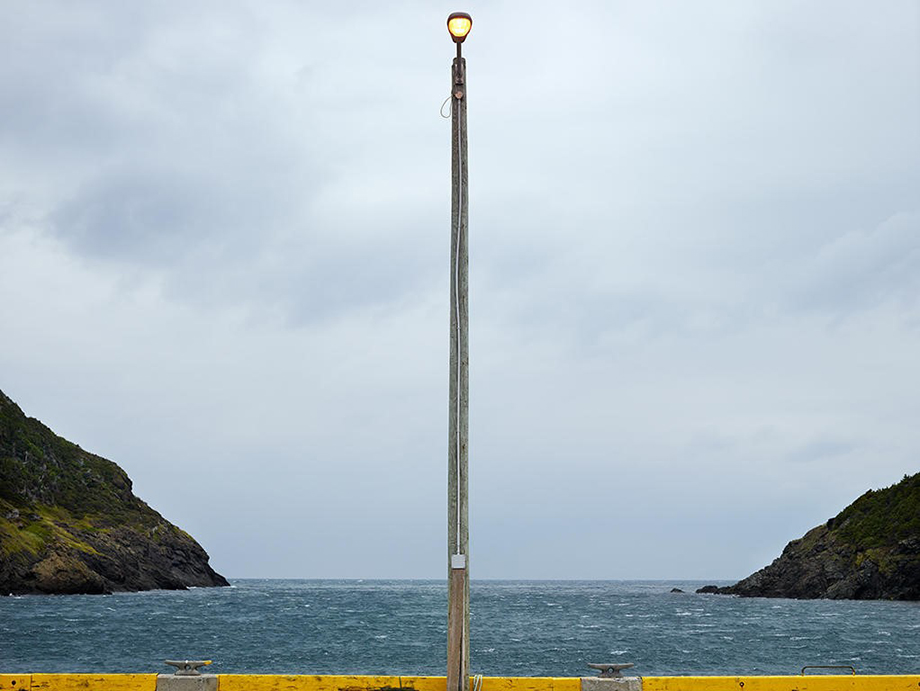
column 458, row 584
column 459, row 25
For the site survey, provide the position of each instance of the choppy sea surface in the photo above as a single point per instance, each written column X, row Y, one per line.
column 519, row 628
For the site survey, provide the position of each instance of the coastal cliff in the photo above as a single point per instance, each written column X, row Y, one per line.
column 869, row 551
column 70, row 523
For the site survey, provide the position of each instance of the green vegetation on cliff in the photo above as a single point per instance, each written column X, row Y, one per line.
column 883, row 518
column 69, row 521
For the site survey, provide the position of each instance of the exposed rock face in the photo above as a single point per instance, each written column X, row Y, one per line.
column 69, row 522
column 871, row 550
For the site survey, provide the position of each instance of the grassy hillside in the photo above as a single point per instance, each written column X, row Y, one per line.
column 881, row 518
column 69, row 521
column 39, row 467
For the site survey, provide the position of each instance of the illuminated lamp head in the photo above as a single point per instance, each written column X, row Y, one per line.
column 459, row 25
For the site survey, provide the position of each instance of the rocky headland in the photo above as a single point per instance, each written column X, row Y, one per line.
column 869, row 551
column 70, row 523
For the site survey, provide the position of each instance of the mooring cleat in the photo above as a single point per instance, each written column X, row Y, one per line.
column 187, row 668
column 611, row 670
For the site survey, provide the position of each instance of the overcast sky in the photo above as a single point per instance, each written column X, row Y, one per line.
column 694, row 273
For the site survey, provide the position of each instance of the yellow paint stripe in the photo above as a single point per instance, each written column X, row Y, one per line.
column 94, row 682
column 570, row 684
column 15, row 682
column 427, row 683
column 277, row 682
column 790, row 683
column 306, row 682
column 520, row 684
column 273, row 682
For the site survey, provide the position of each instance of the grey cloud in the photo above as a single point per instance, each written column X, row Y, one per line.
column 232, row 221
column 863, row 269
column 823, row 450
column 145, row 218
column 205, row 157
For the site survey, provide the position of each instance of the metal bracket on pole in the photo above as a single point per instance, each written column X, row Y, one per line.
column 459, row 73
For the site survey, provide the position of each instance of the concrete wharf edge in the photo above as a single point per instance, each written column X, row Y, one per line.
column 308, row 682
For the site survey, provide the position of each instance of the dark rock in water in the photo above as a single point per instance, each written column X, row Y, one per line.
column 869, row 551
column 676, row 590
column 69, row 522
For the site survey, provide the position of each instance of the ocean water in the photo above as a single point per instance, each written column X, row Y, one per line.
column 519, row 628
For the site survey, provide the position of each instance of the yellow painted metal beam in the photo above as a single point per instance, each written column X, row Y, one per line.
column 94, row 682
column 531, row 684
column 307, row 682
column 15, row 682
column 847, row 682
column 276, row 682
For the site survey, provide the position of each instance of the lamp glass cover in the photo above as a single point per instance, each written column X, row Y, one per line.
column 459, row 27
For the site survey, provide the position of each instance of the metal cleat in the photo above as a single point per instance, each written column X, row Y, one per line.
column 187, row 668
column 608, row 671
column 849, row 667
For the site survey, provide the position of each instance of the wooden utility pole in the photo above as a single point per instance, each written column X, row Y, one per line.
column 458, row 588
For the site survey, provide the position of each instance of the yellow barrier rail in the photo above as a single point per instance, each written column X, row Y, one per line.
column 822, row 682
column 307, row 682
